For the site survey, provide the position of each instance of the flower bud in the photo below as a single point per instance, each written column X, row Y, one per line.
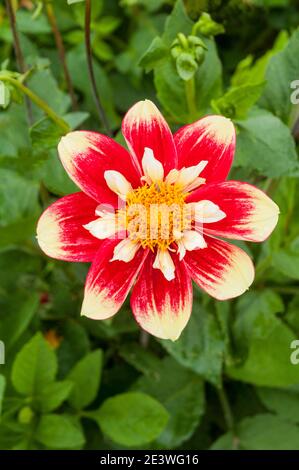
column 207, row 26
column 186, row 66
column 25, row 415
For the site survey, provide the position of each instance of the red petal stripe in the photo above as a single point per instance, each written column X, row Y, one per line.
column 60, row 231
column 87, row 155
column 250, row 213
column 144, row 126
column 162, row 307
column 223, row 270
column 212, row 138
column 108, row 283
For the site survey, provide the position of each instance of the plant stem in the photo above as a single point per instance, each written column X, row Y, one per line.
column 144, row 339
column 190, row 97
column 228, row 415
column 18, row 52
column 96, row 96
column 61, row 51
column 38, row 101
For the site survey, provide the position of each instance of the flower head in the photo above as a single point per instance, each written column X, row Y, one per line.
column 149, row 219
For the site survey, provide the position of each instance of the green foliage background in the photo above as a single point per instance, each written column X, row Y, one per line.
column 73, row 383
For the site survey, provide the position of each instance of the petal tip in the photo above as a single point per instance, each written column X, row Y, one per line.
column 221, row 129
column 48, row 234
column 71, row 145
column 98, row 305
column 168, row 325
column 146, row 109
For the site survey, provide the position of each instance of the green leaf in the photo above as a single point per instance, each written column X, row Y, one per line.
column 287, row 262
column 266, row 145
column 76, row 343
column 12, row 142
column 224, row 442
column 45, row 86
column 34, row 367
column 75, row 119
column 268, row 432
column 156, row 52
column 18, row 197
column 151, row 6
column 45, row 134
column 181, row 391
column 131, row 419
column 248, row 72
column 260, row 432
column 76, row 61
column 102, row 50
column 283, row 402
column 282, row 70
column 15, row 267
column 55, row 178
column 292, row 317
column 201, row 345
column 27, row 24
column 264, row 341
column 237, row 101
column 18, row 316
column 53, row 395
column 254, row 313
column 16, row 233
column 2, row 390
column 86, row 376
column 177, row 22
column 106, row 25
column 59, row 432
column 142, row 359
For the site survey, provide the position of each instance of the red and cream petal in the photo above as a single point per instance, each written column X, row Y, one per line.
column 250, row 214
column 223, row 270
column 161, row 307
column 144, row 126
column 87, row 155
column 60, row 231
column 109, row 282
column 212, row 138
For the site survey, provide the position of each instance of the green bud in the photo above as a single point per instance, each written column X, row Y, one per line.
column 176, row 51
column 199, row 55
column 207, row 26
column 196, row 41
column 183, row 41
column 25, row 415
column 186, row 66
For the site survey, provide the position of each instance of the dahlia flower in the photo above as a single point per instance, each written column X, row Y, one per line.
column 152, row 219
